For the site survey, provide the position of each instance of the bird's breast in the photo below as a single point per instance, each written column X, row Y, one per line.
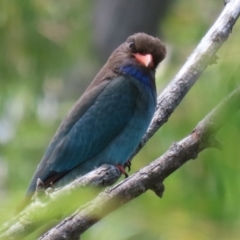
column 124, row 144
column 134, row 95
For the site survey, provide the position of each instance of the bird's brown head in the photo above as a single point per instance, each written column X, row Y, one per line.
column 139, row 49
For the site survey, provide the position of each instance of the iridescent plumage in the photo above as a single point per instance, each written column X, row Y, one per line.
column 107, row 123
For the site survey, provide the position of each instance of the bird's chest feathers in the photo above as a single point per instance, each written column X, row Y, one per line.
column 140, row 74
column 145, row 84
column 146, row 100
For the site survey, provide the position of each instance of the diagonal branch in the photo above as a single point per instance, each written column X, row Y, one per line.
column 202, row 56
column 47, row 207
column 202, row 137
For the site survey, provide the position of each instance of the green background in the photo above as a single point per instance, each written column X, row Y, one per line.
column 45, row 44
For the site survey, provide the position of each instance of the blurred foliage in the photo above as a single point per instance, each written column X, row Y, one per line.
column 46, row 58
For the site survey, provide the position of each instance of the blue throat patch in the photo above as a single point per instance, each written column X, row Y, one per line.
column 137, row 73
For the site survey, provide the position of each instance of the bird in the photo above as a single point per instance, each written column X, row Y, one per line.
column 108, row 121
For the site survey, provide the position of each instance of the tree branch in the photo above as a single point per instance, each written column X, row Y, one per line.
column 202, row 56
column 148, row 177
column 47, row 207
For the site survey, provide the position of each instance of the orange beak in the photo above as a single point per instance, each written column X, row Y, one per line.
column 145, row 60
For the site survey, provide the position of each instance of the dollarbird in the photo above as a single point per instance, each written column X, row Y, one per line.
column 109, row 120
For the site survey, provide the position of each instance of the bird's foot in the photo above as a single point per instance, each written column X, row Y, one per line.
column 39, row 191
column 41, row 194
column 128, row 165
column 50, row 189
column 122, row 170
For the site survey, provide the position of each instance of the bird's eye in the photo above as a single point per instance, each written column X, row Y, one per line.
column 131, row 45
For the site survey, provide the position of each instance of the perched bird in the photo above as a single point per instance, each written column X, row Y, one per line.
column 107, row 123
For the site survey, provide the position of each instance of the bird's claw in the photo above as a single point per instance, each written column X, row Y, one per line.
column 122, row 170
column 128, row 165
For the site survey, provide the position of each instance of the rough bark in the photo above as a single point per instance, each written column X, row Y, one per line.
column 202, row 56
column 149, row 177
column 46, row 206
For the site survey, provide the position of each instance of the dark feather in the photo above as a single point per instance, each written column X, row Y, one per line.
column 107, row 123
